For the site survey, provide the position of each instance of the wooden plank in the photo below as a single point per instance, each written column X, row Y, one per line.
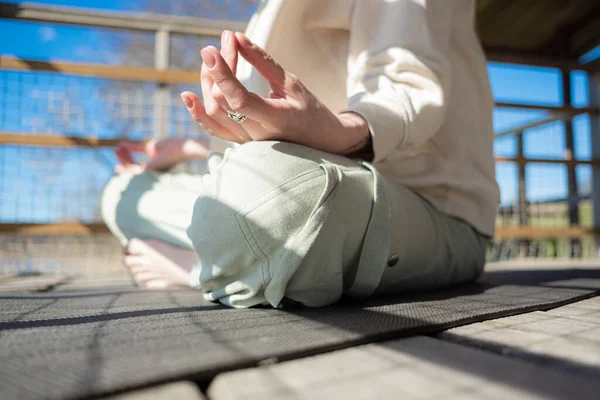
column 118, row 19
column 584, row 37
column 550, row 338
column 594, row 93
column 414, row 368
column 514, row 56
column 557, row 109
column 519, row 129
column 138, row 74
column 568, row 162
column 533, row 232
column 51, row 140
column 59, row 228
column 183, row 390
column 545, row 264
column 79, row 228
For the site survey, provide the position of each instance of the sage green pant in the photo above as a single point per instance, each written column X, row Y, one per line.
column 273, row 222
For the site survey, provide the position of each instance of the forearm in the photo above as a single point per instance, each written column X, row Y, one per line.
column 345, row 134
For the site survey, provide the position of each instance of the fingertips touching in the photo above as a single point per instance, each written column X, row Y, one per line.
column 243, row 39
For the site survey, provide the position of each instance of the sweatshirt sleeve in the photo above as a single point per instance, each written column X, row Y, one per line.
column 399, row 70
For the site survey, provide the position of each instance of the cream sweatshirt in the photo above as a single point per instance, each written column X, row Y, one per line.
column 415, row 70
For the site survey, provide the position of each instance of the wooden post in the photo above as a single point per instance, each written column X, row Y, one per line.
column 522, row 194
column 161, row 96
column 594, row 90
column 573, row 195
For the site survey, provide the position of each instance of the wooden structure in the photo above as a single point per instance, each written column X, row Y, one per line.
column 546, row 32
column 542, row 354
column 551, row 33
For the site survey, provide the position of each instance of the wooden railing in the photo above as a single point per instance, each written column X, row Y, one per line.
column 79, row 228
column 136, row 74
column 191, row 77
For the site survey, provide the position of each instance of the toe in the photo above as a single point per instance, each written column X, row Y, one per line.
column 135, row 246
column 156, row 284
column 132, row 261
column 145, row 276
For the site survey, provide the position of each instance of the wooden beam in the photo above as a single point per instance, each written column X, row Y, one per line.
column 79, row 228
column 169, row 76
column 594, row 90
column 511, row 56
column 522, row 196
column 524, row 160
column 595, row 65
column 519, row 130
column 532, row 232
column 584, row 34
column 59, row 228
column 522, row 187
column 118, row 20
column 23, row 139
column 570, row 151
column 573, row 197
column 554, row 109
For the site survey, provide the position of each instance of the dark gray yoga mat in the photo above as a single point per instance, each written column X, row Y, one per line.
column 65, row 345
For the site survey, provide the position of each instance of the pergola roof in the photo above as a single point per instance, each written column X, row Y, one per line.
column 546, row 29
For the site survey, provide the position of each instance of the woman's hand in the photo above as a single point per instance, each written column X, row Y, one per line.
column 210, row 115
column 163, row 154
column 291, row 112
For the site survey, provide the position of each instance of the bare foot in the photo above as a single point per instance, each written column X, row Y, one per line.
column 156, row 265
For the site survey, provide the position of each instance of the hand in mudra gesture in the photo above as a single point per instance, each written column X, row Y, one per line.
column 290, row 113
column 162, row 154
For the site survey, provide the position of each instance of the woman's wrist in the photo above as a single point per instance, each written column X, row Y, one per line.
column 357, row 137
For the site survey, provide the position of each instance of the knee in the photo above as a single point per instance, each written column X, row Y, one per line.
column 119, row 203
column 111, row 196
column 249, row 171
column 245, row 224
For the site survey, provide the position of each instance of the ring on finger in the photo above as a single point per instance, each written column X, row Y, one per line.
column 237, row 117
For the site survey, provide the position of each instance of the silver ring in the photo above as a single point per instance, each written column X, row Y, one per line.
column 237, row 117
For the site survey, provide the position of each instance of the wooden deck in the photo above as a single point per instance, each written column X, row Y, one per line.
column 553, row 354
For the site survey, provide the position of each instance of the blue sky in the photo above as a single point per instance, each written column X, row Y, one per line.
column 38, row 185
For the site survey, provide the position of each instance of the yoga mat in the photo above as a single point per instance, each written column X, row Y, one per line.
column 62, row 345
